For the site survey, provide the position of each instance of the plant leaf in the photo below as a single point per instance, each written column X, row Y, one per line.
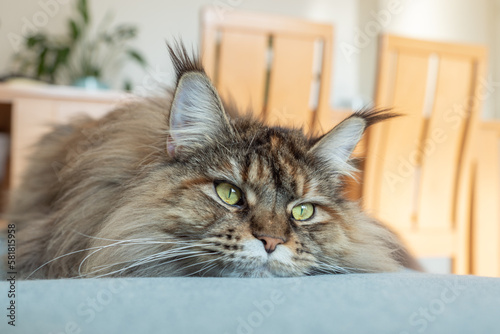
column 33, row 40
column 135, row 55
column 127, row 85
column 125, row 31
column 63, row 54
column 83, row 10
column 61, row 59
column 41, row 69
column 74, row 30
column 96, row 72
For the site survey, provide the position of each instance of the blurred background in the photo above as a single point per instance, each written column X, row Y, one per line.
column 434, row 176
column 353, row 82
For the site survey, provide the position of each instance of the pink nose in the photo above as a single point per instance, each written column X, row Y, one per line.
column 270, row 243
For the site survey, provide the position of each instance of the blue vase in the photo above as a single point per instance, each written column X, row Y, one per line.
column 90, row 83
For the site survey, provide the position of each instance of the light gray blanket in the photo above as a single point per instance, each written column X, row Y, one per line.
column 360, row 303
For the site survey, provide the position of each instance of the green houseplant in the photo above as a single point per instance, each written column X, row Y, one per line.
column 79, row 55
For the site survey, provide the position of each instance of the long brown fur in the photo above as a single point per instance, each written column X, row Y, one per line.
column 110, row 197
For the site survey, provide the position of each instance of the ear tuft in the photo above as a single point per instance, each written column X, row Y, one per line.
column 183, row 61
column 373, row 116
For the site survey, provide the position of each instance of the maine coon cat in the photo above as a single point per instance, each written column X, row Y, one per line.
column 173, row 186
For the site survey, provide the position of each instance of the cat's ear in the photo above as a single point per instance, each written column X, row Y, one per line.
column 336, row 146
column 197, row 116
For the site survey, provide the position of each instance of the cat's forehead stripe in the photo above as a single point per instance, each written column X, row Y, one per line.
column 194, row 182
column 299, row 183
column 236, row 170
column 275, row 141
column 254, row 169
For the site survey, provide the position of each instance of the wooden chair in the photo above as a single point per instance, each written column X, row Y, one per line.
column 485, row 240
column 418, row 169
column 279, row 66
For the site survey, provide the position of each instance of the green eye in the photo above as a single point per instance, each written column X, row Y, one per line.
column 228, row 193
column 303, row 211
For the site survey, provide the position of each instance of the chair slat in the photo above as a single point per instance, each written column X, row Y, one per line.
column 443, row 142
column 400, row 154
column 290, row 84
column 486, row 213
column 242, row 69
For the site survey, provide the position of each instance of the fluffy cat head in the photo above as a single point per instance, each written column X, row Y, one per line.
column 235, row 197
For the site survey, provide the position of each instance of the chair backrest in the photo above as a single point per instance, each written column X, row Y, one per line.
column 485, row 241
column 418, row 170
column 279, row 66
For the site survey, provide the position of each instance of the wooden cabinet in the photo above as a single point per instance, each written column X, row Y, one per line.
column 26, row 113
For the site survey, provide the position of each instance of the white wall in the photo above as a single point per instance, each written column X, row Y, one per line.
column 460, row 21
column 466, row 21
column 161, row 20
column 494, row 20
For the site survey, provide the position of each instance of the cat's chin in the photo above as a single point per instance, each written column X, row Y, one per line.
column 254, row 261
